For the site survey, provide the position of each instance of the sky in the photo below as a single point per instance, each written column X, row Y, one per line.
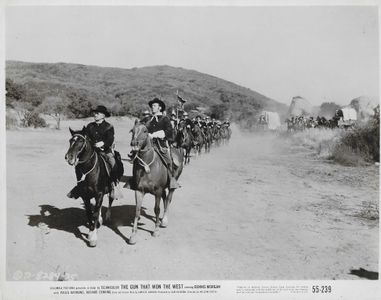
column 322, row 53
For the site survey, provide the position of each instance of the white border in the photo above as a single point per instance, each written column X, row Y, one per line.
column 342, row 289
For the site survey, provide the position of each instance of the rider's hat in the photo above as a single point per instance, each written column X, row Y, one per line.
column 102, row 109
column 158, row 101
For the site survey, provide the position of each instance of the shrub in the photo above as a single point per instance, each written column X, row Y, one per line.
column 79, row 105
column 322, row 140
column 347, row 156
column 363, row 140
column 357, row 146
column 32, row 118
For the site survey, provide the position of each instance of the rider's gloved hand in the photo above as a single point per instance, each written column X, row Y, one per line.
column 99, row 144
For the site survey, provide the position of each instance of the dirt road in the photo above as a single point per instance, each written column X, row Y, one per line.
column 258, row 208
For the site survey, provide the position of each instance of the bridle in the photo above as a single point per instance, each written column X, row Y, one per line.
column 79, row 162
column 143, row 151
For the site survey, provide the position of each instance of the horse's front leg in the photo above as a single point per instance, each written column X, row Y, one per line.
column 96, row 220
column 188, row 154
column 89, row 211
column 139, row 200
column 157, row 214
column 167, row 201
column 111, row 198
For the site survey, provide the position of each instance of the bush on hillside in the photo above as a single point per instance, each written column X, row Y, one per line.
column 79, row 106
column 15, row 92
column 219, row 111
column 33, row 119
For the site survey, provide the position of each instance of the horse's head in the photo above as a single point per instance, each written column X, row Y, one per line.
column 77, row 145
column 139, row 136
column 181, row 126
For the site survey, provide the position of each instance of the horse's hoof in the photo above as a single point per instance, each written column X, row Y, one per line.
column 155, row 233
column 132, row 240
column 92, row 243
column 164, row 223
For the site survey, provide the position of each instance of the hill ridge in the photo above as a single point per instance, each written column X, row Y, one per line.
column 125, row 90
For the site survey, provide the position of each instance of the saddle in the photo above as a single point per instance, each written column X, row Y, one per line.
column 116, row 172
column 168, row 156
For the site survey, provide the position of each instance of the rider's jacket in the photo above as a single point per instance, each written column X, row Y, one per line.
column 103, row 132
column 158, row 123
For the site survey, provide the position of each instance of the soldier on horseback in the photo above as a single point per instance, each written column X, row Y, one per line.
column 187, row 121
column 160, row 130
column 101, row 135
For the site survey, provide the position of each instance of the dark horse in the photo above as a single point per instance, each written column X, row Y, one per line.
column 96, row 182
column 184, row 140
column 199, row 138
column 208, row 138
column 150, row 175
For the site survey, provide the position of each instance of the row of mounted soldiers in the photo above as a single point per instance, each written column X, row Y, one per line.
column 179, row 131
column 197, row 133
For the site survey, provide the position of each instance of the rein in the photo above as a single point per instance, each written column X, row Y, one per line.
column 83, row 147
column 86, row 160
column 95, row 163
column 141, row 160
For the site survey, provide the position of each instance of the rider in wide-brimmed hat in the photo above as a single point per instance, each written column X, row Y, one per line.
column 101, row 135
column 101, row 109
column 159, row 102
column 161, row 131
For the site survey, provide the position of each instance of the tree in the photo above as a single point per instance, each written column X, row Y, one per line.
column 219, row 111
column 15, row 92
column 79, row 106
column 54, row 107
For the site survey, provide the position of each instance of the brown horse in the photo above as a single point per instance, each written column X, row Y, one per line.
column 151, row 175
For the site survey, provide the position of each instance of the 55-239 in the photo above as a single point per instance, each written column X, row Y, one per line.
column 321, row 289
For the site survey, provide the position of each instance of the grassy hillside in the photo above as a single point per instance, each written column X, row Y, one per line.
column 126, row 91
